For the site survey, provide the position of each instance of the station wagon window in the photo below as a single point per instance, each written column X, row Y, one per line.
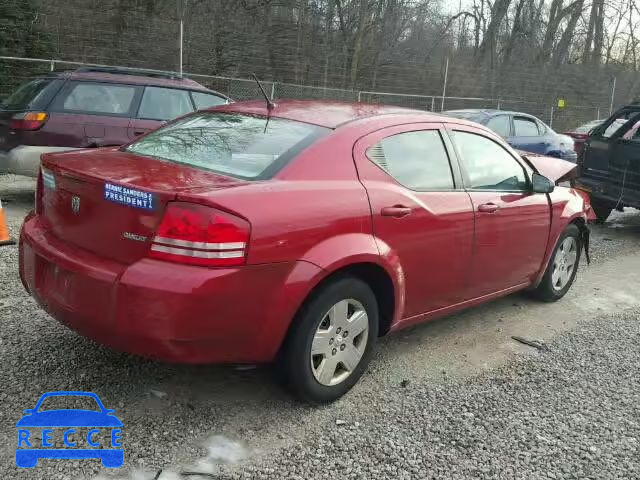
column 100, row 98
column 525, row 127
column 418, row 160
column 207, row 100
column 488, row 166
column 501, row 125
column 243, row 146
column 164, row 103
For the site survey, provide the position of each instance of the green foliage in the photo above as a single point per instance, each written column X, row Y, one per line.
column 21, row 36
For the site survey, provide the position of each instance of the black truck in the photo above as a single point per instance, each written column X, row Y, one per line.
column 609, row 164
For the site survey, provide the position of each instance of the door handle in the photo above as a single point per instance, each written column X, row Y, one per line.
column 137, row 133
column 488, row 208
column 397, row 211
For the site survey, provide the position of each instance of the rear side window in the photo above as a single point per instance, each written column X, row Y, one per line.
column 418, row 160
column 100, row 98
column 242, row 146
column 207, row 100
column 164, row 103
column 500, row 125
column 27, row 95
column 525, row 127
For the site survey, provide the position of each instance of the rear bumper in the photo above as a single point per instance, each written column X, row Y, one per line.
column 155, row 309
column 25, row 159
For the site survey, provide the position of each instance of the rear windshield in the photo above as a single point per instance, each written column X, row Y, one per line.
column 243, row 146
column 26, row 95
column 472, row 116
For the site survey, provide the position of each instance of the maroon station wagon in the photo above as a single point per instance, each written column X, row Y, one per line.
column 91, row 107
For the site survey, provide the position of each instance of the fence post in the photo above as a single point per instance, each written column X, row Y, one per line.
column 433, row 103
column 613, row 96
column 444, row 87
column 359, row 96
column 52, row 65
column 273, row 90
column 551, row 117
column 598, row 114
column 498, row 104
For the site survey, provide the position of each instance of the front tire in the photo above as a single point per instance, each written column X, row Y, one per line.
column 563, row 266
column 331, row 341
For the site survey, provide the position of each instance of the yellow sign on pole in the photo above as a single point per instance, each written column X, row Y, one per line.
column 562, row 103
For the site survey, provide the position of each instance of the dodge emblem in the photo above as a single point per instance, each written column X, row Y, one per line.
column 75, row 204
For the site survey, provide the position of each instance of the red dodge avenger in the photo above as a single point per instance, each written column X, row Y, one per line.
column 296, row 233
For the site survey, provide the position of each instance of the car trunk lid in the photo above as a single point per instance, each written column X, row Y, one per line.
column 110, row 202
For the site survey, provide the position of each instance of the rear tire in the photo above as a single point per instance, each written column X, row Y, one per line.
column 563, row 266
column 318, row 363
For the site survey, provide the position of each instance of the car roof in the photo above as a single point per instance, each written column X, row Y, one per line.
column 491, row 112
column 329, row 114
column 133, row 79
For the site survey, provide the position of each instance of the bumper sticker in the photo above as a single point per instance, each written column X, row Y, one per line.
column 128, row 196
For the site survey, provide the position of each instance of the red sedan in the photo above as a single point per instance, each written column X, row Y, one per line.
column 297, row 234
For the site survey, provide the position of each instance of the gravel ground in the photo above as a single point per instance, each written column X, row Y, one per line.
column 453, row 399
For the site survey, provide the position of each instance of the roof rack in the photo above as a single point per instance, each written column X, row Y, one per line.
column 130, row 71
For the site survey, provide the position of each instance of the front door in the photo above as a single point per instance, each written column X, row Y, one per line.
column 421, row 214
column 512, row 224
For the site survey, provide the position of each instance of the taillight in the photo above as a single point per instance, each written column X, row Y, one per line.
column 199, row 235
column 28, row 120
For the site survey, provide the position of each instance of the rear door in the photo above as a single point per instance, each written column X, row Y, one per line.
column 600, row 147
column 527, row 135
column 158, row 106
column 511, row 223
column 420, row 211
column 92, row 114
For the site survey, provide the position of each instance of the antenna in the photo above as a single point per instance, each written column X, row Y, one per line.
column 270, row 104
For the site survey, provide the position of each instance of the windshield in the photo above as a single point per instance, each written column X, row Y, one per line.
column 26, row 94
column 233, row 144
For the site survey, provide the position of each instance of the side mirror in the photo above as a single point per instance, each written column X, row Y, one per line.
column 541, row 184
column 28, row 411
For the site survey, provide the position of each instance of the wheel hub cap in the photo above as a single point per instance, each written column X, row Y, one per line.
column 339, row 342
column 564, row 263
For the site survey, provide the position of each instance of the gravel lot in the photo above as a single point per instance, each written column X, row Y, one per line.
column 457, row 398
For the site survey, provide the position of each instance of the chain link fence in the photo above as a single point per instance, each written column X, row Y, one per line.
column 17, row 70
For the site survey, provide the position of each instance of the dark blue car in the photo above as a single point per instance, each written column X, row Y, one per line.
column 100, row 421
column 522, row 131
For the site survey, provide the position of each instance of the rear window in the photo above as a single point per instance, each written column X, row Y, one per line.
column 100, row 98
column 26, row 95
column 243, row 146
column 465, row 115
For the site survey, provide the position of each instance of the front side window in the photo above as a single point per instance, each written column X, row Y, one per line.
column 100, row 98
column 418, row 160
column 164, row 103
column 500, row 125
column 615, row 124
column 488, row 165
column 525, row 127
column 237, row 145
column 207, row 100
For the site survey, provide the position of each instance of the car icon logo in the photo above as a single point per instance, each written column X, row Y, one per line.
column 84, row 433
column 75, row 204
